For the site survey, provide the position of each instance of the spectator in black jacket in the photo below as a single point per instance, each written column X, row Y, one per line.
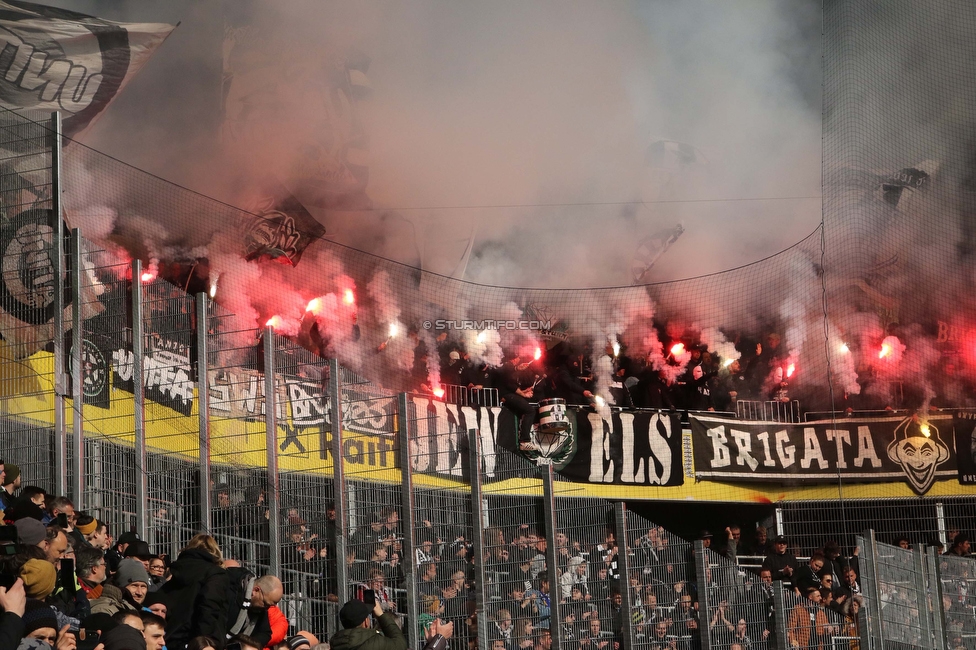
column 196, row 595
column 781, row 563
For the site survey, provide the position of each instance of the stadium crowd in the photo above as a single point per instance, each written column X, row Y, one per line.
column 68, row 584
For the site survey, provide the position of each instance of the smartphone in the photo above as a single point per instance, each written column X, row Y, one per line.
column 369, row 597
column 67, row 574
column 7, row 581
column 87, row 639
column 62, row 520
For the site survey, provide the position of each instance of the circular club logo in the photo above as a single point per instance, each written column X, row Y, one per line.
column 27, row 270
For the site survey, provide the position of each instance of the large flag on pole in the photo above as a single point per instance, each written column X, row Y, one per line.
column 59, row 60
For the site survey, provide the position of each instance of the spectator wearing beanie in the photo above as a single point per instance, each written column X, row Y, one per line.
column 119, row 596
column 40, row 578
column 356, row 634
column 40, row 622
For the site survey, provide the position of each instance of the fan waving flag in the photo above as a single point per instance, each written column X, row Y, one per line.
column 58, row 60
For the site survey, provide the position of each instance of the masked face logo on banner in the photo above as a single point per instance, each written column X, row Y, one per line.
column 554, row 437
column 919, row 451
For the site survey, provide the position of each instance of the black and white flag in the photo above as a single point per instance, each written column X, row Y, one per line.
column 58, row 60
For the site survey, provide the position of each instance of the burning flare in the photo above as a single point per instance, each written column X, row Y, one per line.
column 924, row 428
column 616, row 348
column 314, row 305
column 349, row 297
column 274, row 322
column 885, row 350
column 790, row 369
column 394, row 330
column 538, row 354
column 677, row 349
column 438, row 392
column 147, row 276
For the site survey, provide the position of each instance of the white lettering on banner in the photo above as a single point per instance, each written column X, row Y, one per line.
column 744, row 443
column 839, row 438
column 627, row 428
column 219, row 397
column 660, row 448
column 307, row 406
column 448, row 455
column 768, row 461
column 785, row 452
column 250, row 394
column 811, row 450
column 865, row 449
column 720, row 447
column 781, row 451
column 123, row 363
column 599, row 448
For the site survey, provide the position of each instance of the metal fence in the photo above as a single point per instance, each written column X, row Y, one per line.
column 154, row 415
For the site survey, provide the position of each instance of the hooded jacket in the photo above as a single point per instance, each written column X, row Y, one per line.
column 196, row 598
column 388, row 637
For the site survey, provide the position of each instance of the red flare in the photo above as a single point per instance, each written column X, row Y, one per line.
column 147, row 276
column 790, row 369
column 538, row 354
column 678, row 349
column 438, row 392
column 314, row 305
column 349, row 297
column 885, row 351
column 274, row 322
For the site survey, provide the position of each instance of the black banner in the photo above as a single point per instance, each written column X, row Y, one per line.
column 635, row 448
column 864, row 450
column 964, row 430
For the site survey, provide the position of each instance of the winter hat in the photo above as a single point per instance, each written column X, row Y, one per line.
column 298, row 641
column 38, row 615
column 124, row 637
column 30, row 532
column 89, row 528
column 352, row 614
column 39, row 578
column 131, row 571
column 139, row 549
column 12, row 474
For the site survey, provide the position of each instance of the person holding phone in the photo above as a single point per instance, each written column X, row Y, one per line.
column 357, row 634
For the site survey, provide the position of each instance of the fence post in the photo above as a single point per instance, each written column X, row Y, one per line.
column 549, row 512
column 77, row 377
column 873, row 633
column 139, row 401
column 924, row 611
column 934, row 573
column 780, row 616
column 623, row 557
column 478, row 533
column 339, row 483
column 203, row 404
column 58, row 280
column 404, row 429
column 271, row 440
column 704, row 611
